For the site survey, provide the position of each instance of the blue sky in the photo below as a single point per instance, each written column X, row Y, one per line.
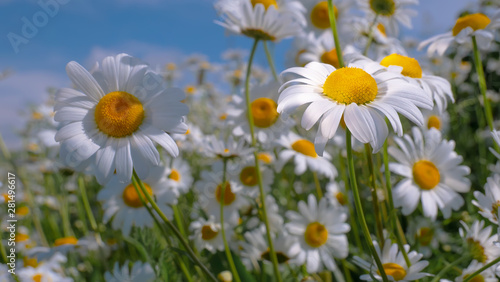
column 158, row 31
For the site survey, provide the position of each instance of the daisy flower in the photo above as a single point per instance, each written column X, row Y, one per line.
column 321, row 230
column 273, row 216
column 64, row 245
column 40, row 273
column 389, row 12
column 335, row 193
column 217, row 147
column 426, row 235
column 362, row 93
column 299, row 45
column 262, row 19
column 432, row 174
column 122, row 205
column 304, row 156
column 179, row 176
column 394, row 264
column 245, row 174
column 114, row 117
column 489, row 202
column 478, row 25
column 268, row 123
column 320, row 49
column 207, row 235
column 317, row 17
column 487, row 275
column 436, row 119
column 138, row 272
column 479, row 242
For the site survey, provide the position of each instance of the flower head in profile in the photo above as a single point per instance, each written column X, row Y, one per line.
column 489, row 202
column 480, row 241
column 361, row 95
column 114, row 117
column 262, row 19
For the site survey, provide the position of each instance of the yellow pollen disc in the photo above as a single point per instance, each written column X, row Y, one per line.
column 229, row 196
column 171, row 67
column 475, row 21
column 319, row 15
column 426, row 174
column 425, row 235
column 330, row 57
column 265, row 157
column 381, row 28
column 477, row 278
column 248, row 176
column 30, row 262
column 238, row 74
column 22, row 211
column 226, row 151
column 66, row 241
column 341, row 198
column 264, row 111
column 383, row 7
column 223, row 117
column 410, row 66
column 476, row 250
column 119, row 114
column 350, row 85
column 175, row 175
column 37, row 277
column 207, row 233
column 190, row 89
column 20, row 237
column 305, row 147
column 316, row 234
column 131, row 198
column 33, row 147
column 36, row 115
column 266, row 3
column 434, row 121
column 395, row 270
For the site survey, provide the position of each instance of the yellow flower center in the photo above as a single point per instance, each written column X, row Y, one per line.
column 350, row 85
column 37, row 277
column 36, row 115
column 20, row 237
column 119, row 114
column 305, row 147
column 383, row 7
column 476, row 250
column 319, row 15
column 258, row 34
column 264, row 111
column 248, row 176
column 66, row 241
column 341, row 198
column 229, row 196
column 190, row 89
column 395, row 270
column 425, row 235
column 22, row 211
column 316, row 234
column 266, row 3
column 477, row 278
column 410, row 66
column 265, row 157
column 171, row 66
column 330, row 57
column 30, row 262
column 494, row 210
column 426, row 174
column 207, row 233
column 131, row 198
column 282, row 258
column 434, row 121
column 381, row 28
column 475, row 21
column 175, row 175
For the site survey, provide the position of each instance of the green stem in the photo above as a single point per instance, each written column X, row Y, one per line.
column 376, row 208
column 274, row 258
column 333, row 25
column 493, row 262
column 270, row 61
column 318, row 186
column 444, row 270
column 178, row 220
column 86, row 204
column 359, row 207
column 230, row 260
column 172, row 227
column 370, row 36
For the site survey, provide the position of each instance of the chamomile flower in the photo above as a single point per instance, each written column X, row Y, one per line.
column 139, row 271
column 362, row 94
column 113, row 119
column 479, row 242
column 487, row 275
column 179, row 176
column 394, row 264
column 207, row 234
column 262, row 19
column 335, row 193
column 41, row 273
column 229, row 148
column 489, row 202
column 304, row 156
column 317, row 17
column 123, row 206
column 300, row 43
column 268, row 123
column 436, row 119
column 478, row 25
column 389, row 12
column 63, row 245
column 321, row 230
column 432, row 174
column 426, row 234
column 245, row 174
column 320, row 49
